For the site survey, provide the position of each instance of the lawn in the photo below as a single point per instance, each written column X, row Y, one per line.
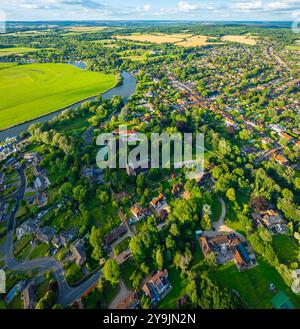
column 178, row 290
column 286, row 249
column 253, row 285
column 37, row 89
column 39, row 251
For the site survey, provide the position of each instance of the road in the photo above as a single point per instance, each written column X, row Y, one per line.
column 220, row 222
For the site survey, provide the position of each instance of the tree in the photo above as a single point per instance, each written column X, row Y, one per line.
column 211, row 260
column 206, row 223
column 111, row 272
column 95, row 241
column 174, row 230
column 159, row 259
column 80, row 193
column 231, row 194
column 103, row 196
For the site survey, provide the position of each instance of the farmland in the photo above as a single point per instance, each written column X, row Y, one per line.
column 16, row 51
column 240, row 38
column 181, row 39
column 37, row 89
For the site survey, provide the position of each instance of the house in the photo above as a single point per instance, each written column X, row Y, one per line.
column 156, row 286
column 67, row 237
column 285, row 136
column 115, row 234
column 280, row 159
column 177, row 189
column 56, row 241
column 45, row 234
column 129, row 303
column 271, row 220
column 158, row 201
column 29, row 297
column 138, row 212
column 228, row 247
column 278, row 128
column 230, row 122
column 28, row 227
column 78, row 251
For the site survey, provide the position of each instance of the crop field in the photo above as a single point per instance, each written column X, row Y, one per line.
column 240, row 38
column 16, row 51
column 33, row 90
column 158, row 38
column 83, row 29
column 180, row 39
column 196, row 41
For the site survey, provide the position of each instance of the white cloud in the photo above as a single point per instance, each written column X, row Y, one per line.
column 187, row 7
column 248, row 6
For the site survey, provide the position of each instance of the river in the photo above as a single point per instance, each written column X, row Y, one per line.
column 125, row 91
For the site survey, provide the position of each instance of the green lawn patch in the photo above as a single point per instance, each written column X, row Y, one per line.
column 39, row 251
column 286, row 249
column 37, row 89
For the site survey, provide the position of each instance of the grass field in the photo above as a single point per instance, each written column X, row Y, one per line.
column 37, row 89
column 240, row 38
column 85, row 29
column 16, row 51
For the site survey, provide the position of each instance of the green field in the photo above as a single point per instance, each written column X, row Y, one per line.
column 33, row 90
column 7, row 65
column 16, row 51
column 253, row 285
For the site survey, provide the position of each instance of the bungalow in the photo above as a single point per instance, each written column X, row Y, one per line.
column 78, row 251
column 29, row 297
column 156, row 286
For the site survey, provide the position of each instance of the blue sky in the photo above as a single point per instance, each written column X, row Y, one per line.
column 151, row 9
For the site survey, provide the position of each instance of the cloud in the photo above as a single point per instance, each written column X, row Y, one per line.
column 273, row 6
column 187, row 7
column 248, row 6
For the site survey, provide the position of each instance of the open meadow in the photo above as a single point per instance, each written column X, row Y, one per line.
column 37, row 89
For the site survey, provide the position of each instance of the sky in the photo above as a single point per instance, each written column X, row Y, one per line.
column 30, row 10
